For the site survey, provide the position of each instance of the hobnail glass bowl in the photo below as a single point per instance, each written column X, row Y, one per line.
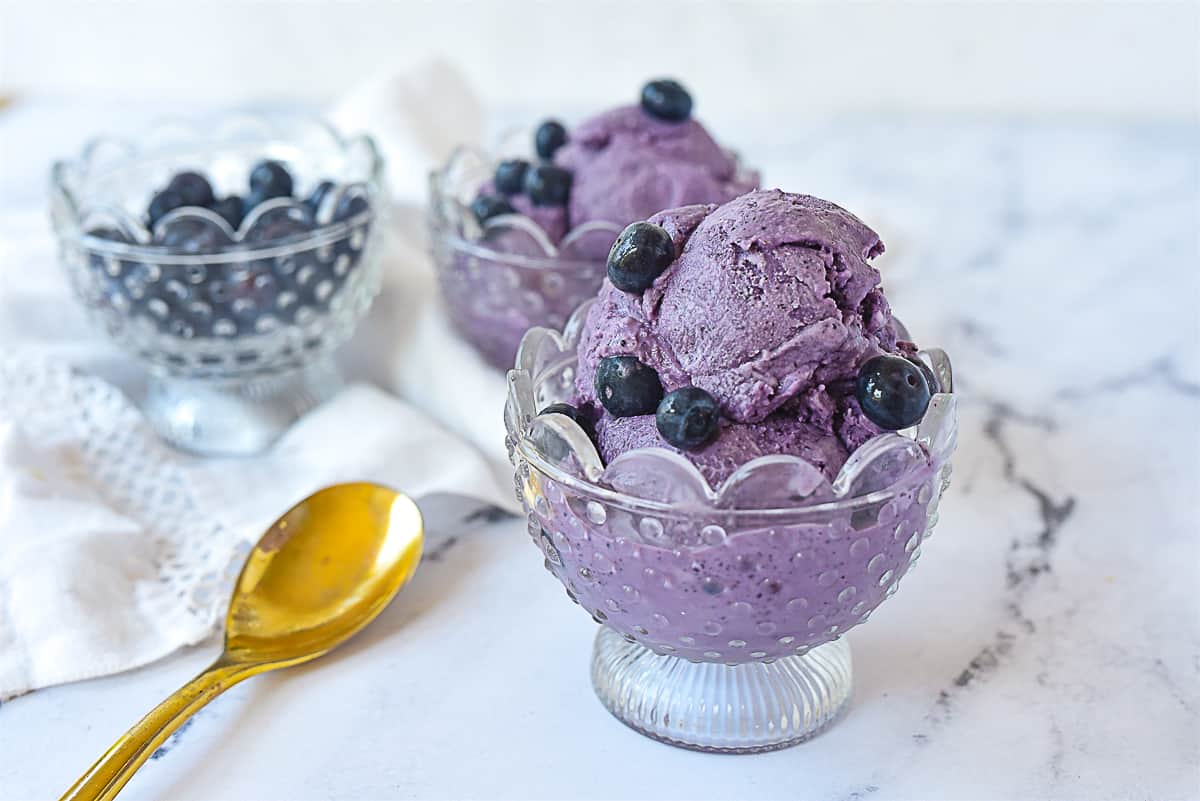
column 500, row 279
column 237, row 339
column 721, row 610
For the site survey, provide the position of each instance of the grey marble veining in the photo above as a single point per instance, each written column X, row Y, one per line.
column 1047, row 646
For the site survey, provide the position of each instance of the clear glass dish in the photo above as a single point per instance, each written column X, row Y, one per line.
column 721, row 610
column 500, row 279
column 237, row 339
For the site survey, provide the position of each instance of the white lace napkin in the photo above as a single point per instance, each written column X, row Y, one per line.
column 116, row 550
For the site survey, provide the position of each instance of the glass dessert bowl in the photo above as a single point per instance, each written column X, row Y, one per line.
column 235, row 314
column 722, row 610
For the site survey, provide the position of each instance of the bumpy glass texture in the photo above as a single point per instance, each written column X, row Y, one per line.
column 506, row 276
column 284, row 289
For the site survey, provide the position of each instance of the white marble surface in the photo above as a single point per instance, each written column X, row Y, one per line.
column 1047, row 646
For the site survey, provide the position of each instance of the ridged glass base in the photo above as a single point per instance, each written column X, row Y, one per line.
column 214, row 417
column 733, row 709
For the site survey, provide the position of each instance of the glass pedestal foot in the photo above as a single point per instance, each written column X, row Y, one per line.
column 223, row 417
column 736, row 709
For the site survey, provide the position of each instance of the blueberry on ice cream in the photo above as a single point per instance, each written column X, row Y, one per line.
column 766, row 306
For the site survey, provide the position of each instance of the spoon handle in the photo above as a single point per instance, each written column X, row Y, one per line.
column 112, row 771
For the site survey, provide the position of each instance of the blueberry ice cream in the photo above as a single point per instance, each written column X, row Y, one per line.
column 766, row 309
column 608, row 171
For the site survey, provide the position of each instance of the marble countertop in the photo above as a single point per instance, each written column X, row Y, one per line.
column 1047, row 645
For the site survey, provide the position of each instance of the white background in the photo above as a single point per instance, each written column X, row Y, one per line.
column 759, row 59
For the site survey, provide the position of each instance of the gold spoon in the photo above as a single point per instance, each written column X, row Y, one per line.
column 319, row 574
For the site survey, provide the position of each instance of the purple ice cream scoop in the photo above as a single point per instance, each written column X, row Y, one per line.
column 771, row 306
column 627, row 165
column 620, row 166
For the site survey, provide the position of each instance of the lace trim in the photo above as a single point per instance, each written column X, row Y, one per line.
column 197, row 558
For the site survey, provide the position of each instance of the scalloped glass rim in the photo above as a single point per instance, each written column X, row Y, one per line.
column 520, row 261
column 73, row 210
column 520, row 410
column 237, row 251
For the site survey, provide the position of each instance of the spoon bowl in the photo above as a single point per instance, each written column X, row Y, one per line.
column 319, row 574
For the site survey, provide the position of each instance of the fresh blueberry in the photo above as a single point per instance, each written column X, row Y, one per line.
column 192, row 235
column 318, row 196
column 892, row 391
column 232, row 208
column 574, row 413
column 548, row 185
column 350, row 205
column 626, row 387
column 687, row 418
column 548, row 138
column 251, row 202
column 485, row 207
column 667, row 100
column 566, row 410
column 281, row 223
column 193, row 187
column 165, row 201
column 269, row 179
column 640, row 254
column 510, row 176
column 930, row 378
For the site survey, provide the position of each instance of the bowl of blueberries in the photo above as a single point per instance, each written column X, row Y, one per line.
column 231, row 257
